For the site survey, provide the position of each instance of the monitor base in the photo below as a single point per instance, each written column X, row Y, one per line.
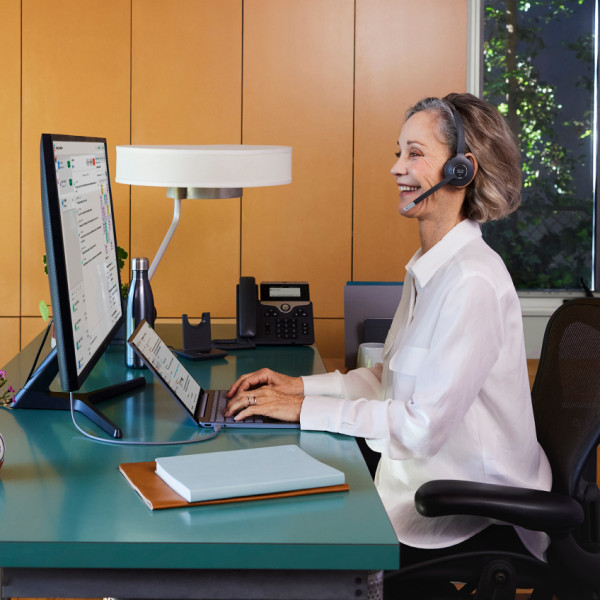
column 36, row 394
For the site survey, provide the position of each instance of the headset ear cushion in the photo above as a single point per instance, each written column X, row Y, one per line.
column 461, row 169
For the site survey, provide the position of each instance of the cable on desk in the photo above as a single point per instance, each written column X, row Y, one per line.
column 203, row 438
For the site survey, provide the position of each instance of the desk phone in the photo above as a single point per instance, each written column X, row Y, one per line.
column 282, row 316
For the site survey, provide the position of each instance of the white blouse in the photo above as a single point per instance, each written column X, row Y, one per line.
column 451, row 399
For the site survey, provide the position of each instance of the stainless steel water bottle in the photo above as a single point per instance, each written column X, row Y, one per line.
column 140, row 305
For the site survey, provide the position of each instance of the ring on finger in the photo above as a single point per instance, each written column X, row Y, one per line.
column 254, row 400
column 249, row 400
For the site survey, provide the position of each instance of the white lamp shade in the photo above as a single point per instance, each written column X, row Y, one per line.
column 218, row 166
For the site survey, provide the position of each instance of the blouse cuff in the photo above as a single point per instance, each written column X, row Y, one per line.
column 326, row 384
column 321, row 413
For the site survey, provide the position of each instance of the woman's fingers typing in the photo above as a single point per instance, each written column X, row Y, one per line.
column 266, row 402
column 266, row 377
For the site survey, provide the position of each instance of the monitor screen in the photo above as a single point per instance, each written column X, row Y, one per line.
column 81, row 249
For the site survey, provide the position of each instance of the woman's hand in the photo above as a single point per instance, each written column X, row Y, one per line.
column 267, row 402
column 266, row 393
column 266, row 377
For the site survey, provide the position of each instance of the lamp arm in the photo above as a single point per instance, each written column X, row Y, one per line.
column 170, row 232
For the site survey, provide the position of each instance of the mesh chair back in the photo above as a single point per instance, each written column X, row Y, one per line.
column 566, row 391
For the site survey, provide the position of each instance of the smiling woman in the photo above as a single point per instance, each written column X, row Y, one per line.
column 451, row 397
column 421, row 157
column 497, row 191
column 458, row 171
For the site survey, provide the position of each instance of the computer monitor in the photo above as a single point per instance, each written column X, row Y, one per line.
column 83, row 273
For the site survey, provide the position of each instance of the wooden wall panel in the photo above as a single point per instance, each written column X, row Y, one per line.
column 75, row 81
column 186, row 89
column 10, row 155
column 9, row 341
column 331, row 78
column 404, row 51
column 30, row 327
column 329, row 337
column 298, row 91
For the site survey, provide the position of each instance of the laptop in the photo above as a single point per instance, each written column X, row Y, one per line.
column 205, row 407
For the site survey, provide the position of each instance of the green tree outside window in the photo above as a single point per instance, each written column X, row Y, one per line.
column 539, row 69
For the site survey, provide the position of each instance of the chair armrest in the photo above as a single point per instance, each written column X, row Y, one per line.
column 532, row 509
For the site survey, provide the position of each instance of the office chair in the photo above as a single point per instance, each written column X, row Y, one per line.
column 566, row 403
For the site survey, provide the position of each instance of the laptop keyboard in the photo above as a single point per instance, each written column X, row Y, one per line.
column 218, row 406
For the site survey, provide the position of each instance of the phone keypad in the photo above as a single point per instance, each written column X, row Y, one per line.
column 290, row 327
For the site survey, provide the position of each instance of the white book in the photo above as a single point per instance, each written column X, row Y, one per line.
column 248, row 472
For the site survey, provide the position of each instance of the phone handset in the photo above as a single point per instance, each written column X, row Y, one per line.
column 247, row 298
column 246, row 305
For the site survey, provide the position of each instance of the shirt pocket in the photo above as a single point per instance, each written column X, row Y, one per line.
column 404, row 365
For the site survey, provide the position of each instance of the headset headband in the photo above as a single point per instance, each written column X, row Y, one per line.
column 460, row 131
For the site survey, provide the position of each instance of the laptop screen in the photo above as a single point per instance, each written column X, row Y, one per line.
column 172, row 372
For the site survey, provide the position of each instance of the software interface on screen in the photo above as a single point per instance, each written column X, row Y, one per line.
column 89, row 241
column 175, row 375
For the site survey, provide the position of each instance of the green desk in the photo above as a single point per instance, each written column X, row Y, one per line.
column 70, row 525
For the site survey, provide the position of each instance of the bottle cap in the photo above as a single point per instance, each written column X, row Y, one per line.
column 139, row 264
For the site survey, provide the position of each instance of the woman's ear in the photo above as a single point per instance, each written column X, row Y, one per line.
column 472, row 158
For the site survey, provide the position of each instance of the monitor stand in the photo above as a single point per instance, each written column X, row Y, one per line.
column 36, row 394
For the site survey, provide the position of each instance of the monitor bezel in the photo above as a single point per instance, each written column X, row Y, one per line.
column 57, row 268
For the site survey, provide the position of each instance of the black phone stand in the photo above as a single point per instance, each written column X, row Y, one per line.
column 197, row 340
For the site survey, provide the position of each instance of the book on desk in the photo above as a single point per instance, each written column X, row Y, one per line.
column 231, row 476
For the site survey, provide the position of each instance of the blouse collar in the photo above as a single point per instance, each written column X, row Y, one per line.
column 424, row 266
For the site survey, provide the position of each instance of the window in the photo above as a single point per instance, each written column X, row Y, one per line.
column 539, row 68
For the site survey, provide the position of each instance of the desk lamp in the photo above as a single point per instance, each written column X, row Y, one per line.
column 202, row 172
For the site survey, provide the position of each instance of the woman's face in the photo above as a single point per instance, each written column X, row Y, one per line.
column 421, row 157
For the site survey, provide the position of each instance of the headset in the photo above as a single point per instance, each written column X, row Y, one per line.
column 458, row 170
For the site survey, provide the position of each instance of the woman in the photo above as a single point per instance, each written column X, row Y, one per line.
column 451, row 399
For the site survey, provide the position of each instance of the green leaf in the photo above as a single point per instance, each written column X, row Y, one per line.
column 44, row 310
column 121, row 256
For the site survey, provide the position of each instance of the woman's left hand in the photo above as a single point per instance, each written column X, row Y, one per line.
column 267, row 402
